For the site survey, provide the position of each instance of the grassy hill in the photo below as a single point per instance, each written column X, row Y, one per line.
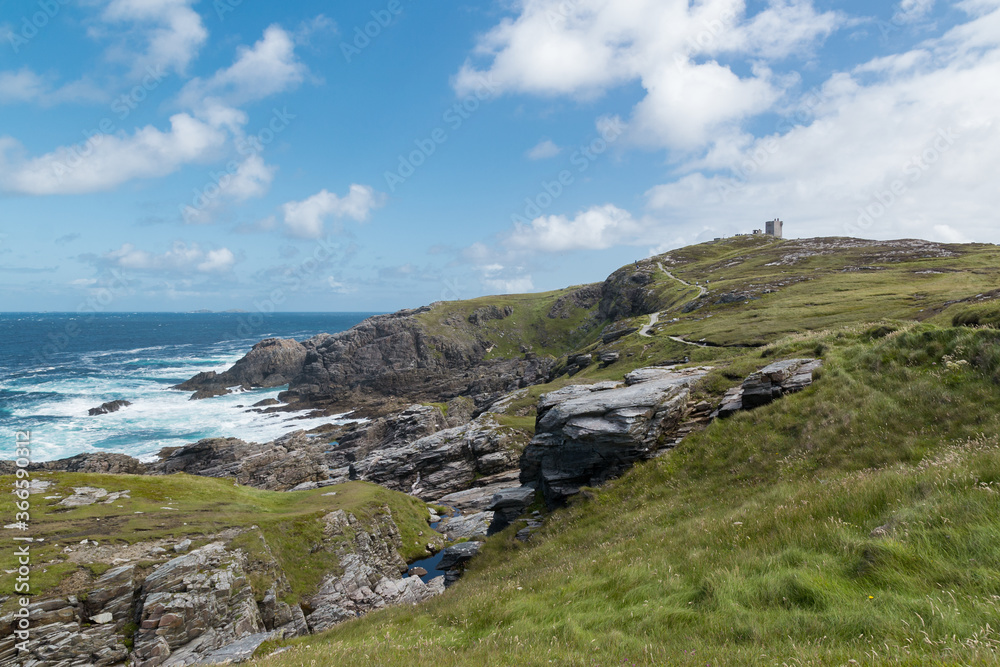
column 856, row 521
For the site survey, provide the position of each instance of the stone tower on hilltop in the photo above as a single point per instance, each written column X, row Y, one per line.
column 774, row 228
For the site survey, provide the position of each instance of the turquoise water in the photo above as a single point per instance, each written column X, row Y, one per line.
column 55, row 367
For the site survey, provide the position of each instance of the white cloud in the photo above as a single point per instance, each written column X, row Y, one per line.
column 270, row 66
column 544, row 150
column 181, row 258
column 903, row 146
column 198, row 135
column 307, row 218
column 21, row 86
column 586, row 47
column 217, row 261
column 106, row 161
column 911, row 11
column 339, row 287
column 24, row 85
column 252, row 179
column 597, row 228
column 170, row 31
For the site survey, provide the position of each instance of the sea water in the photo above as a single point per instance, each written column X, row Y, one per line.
column 55, row 367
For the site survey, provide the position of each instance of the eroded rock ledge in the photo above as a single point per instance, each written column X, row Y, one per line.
column 214, row 601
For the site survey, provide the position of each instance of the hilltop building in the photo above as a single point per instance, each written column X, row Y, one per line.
column 774, row 228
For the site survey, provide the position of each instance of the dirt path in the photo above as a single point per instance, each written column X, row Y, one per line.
column 653, row 319
column 687, row 342
column 702, row 291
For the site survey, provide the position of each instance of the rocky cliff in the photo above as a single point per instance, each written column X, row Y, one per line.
column 271, row 363
column 216, row 602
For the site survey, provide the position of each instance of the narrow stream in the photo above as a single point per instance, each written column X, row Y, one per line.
column 431, row 564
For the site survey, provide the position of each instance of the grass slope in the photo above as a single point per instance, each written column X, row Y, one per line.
column 856, row 521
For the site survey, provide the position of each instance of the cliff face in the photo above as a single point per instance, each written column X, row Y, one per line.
column 271, row 363
column 216, row 602
column 397, row 356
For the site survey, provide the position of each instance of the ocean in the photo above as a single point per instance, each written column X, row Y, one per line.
column 55, row 367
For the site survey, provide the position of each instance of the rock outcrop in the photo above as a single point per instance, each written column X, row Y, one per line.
column 439, row 464
column 213, row 604
column 371, row 577
column 102, row 463
column 588, row 434
column 411, row 451
column 193, row 605
column 109, row 407
column 271, row 363
column 769, row 383
column 507, row 505
column 397, row 356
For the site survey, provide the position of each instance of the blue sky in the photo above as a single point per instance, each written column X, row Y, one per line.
column 176, row 155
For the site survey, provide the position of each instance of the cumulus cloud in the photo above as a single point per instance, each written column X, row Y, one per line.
column 181, row 258
column 169, row 33
column 106, row 161
column 846, row 171
column 307, row 218
column 544, row 150
column 597, row 228
column 26, row 86
column 671, row 47
column 911, row 11
column 204, row 131
column 270, row 66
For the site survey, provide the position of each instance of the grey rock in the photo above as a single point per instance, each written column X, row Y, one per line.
column 109, row 407
column 769, row 383
column 466, row 526
column 271, row 363
column 612, row 336
column 479, row 497
column 482, row 315
column 507, row 505
column 182, row 546
column 608, row 358
column 586, row 435
column 193, row 605
column 83, row 496
column 443, row 462
column 239, row 651
column 372, row 575
column 458, row 555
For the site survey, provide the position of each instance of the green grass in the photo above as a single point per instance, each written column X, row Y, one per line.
column 752, row 543
column 534, row 323
column 985, row 315
column 289, row 523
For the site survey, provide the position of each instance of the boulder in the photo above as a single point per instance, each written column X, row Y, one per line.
column 507, row 505
column 466, row 526
column 608, row 358
column 612, row 336
column 458, row 555
column 588, row 434
column 769, row 383
column 106, row 408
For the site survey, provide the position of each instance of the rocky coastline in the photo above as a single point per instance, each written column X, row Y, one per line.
column 435, row 416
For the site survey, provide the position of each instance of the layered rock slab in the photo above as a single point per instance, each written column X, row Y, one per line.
column 588, row 434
